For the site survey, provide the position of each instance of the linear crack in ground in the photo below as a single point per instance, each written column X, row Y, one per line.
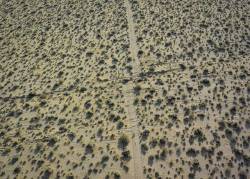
column 130, row 96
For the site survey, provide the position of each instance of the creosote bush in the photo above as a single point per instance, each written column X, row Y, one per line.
column 123, row 141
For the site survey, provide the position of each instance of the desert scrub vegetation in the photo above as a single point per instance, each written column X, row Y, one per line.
column 123, row 141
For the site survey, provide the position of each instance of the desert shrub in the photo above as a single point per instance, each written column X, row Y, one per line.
column 99, row 132
column 120, row 124
column 89, row 115
column 126, row 156
column 46, row 174
column 123, row 141
column 145, row 134
column 137, row 90
column 105, row 159
column 151, row 160
column 117, row 175
column 205, row 82
column 192, row 152
column 87, row 104
column 89, row 149
column 13, row 160
column 144, row 148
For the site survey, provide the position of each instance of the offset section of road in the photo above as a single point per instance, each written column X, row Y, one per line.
column 132, row 38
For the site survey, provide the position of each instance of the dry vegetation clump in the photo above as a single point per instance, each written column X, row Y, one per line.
column 123, row 141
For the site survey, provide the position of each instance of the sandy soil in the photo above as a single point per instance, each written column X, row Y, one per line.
column 124, row 89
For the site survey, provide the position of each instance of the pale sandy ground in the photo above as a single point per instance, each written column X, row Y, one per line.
column 170, row 76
